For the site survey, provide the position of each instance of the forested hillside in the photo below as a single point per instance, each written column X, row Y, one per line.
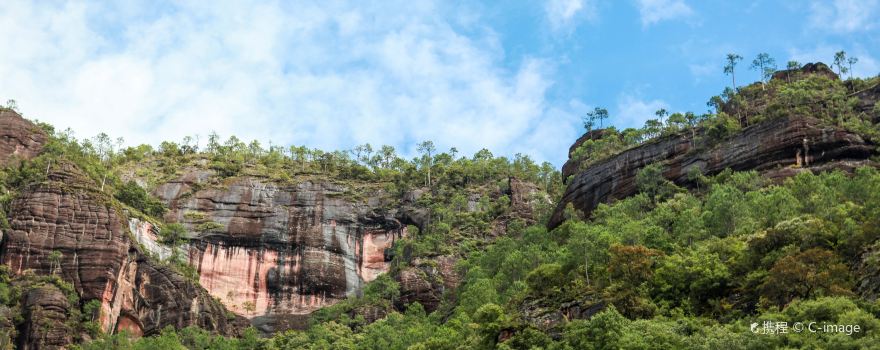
column 680, row 247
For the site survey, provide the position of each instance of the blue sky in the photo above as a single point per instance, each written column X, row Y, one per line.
column 513, row 77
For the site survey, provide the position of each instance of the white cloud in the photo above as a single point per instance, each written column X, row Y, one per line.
column 867, row 66
column 322, row 75
column 654, row 11
column 563, row 14
column 632, row 111
column 702, row 70
column 845, row 16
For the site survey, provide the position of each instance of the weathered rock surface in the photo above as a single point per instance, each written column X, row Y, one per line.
column 93, row 250
column 19, row 138
column 524, row 198
column 550, row 317
column 817, row 68
column 426, row 281
column 46, row 311
column 267, row 249
column 771, row 147
column 867, row 271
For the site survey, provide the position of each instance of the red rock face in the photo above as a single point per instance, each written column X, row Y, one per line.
column 771, row 147
column 131, row 325
column 62, row 215
column 46, row 312
column 19, row 138
column 68, row 218
column 426, row 281
column 266, row 250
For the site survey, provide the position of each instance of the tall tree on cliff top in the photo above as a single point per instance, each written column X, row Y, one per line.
column 661, row 113
column 730, row 67
column 427, row 149
column 590, row 119
column 840, row 62
column 790, row 67
column 388, row 154
column 766, row 66
column 851, row 61
column 601, row 114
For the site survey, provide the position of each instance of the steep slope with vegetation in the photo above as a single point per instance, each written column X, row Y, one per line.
column 271, row 234
column 684, row 234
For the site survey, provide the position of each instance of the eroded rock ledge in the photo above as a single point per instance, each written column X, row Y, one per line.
column 777, row 148
column 19, row 138
column 268, row 250
column 67, row 214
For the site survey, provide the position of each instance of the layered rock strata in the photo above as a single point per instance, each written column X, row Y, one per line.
column 19, row 138
column 426, row 281
column 778, row 148
column 65, row 226
column 267, row 249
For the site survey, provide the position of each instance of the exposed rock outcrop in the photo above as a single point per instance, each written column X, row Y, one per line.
column 779, row 147
column 426, row 281
column 46, row 311
column 267, row 249
column 868, row 273
column 817, row 68
column 19, row 138
column 524, row 198
column 65, row 226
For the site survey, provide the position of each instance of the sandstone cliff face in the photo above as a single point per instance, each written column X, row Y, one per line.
column 426, row 281
column 267, row 250
column 46, row 311
column 66, row 215
column 19, row 138
column 772, row 147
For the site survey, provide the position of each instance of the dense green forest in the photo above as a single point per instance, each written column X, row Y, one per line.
column 669, row 268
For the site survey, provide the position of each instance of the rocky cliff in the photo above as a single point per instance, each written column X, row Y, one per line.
column 19, row 138
column 66, row 226
column 272, row 251
column 777, row 148
column 68, row 218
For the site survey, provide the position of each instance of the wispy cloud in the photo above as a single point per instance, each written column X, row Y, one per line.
column 564, row 14
column 323, row 75
column 654, row 11
column 633, row 111
column 845, row 16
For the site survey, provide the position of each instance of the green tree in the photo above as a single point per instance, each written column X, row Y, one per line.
column 597, row 114
column 601, row 332
column 135, row 196
column 546, row 279
column 692, row 121
column 840, row 62
column 851, row 61
column 730, row 67
column 765, row 65
column 589, row 121
column 790, row 68
column 692, row 279
column 812, row 273
column 383, row 287
column 652, row 128
column 491, row 319
column 601, row 114
column 173, row 235
column 11, row 104
column 55, row 261
column 426, row 148
column 661, row 113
